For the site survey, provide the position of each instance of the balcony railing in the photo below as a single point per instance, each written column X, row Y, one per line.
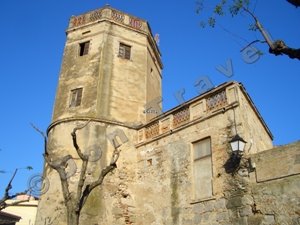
column 217, row 101
column 198, row 108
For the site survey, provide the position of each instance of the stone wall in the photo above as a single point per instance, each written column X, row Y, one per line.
column 264, row 190
column 277, row 190
column 270, row 195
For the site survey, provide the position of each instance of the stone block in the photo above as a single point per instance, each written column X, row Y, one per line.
column 209, row 206
column 240, row 221
column 234, row 202
column 246, row 211
column 269, row 220
column 255, row 220
column 247, row 200
column 220, row 204
column 199, row 208
column 222, row 216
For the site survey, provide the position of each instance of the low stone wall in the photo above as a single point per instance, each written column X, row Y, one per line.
column 277, row 190
column 278, row 162
column 270, row 195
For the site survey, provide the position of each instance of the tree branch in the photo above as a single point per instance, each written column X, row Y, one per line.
column 81, row 184
column 112, row 165
column 84, row 165
column 260, row 28
column 6, row 196
column 75, row 144
column 296, row 3
column 278, row 47
column 43, row 135
column 281, row 48
column 59, row 166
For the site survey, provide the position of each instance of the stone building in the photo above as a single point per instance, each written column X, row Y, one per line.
column 25, row 210
column 172, row 168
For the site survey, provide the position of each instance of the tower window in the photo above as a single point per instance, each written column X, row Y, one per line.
column 75, row 98
column 124, row 51
column 84, row 48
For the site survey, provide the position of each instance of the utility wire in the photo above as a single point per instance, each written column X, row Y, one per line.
column 236, row 36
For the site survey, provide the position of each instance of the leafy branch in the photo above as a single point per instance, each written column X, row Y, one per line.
column 278, row 47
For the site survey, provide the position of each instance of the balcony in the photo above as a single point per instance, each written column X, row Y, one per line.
column 200, row 107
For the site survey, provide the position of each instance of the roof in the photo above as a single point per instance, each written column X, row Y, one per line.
column 8, row 218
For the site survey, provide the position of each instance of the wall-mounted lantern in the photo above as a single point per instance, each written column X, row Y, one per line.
column 237, row 145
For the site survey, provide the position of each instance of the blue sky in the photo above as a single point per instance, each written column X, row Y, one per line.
column 32, row 41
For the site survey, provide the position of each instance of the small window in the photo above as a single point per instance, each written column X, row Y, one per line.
column 86, row 32
column 84, row 48
column 124, row 51
column 75, row 98
column 202, row 169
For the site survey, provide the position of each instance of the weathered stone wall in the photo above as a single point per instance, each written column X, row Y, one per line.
column 115, row 92
column 277, row 191
column 114, row 88
column 104, row 202
column 165, row 175
column 270, row 195
column 252, row 123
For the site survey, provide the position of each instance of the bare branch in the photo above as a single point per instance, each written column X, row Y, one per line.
column 82, row 126
column 7, row 196
column 277, row 47
column 81, row 184
column 38, row 130
column 88, row 189
column 9, row 186
column 260, row 28
column 60, row 166
column 75, row 144
column 43, row 135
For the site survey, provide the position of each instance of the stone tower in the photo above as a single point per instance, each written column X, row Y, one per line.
column 111, row 68
column 110, row 74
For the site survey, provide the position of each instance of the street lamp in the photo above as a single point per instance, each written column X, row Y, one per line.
column 237, row 144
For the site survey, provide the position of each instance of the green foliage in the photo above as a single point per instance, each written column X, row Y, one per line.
column 211, row 22
column 29, row 168
column 237, row 5
column 219, row 9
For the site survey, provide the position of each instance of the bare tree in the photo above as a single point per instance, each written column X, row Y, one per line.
column 277, row 47
column 74, row 202
column 8, row 196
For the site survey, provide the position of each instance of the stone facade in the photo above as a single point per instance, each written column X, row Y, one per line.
column 172, row 167
column 26, row 210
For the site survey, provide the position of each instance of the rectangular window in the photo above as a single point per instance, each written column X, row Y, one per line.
column 124, row 51
column 75, row 98
column 202, row 169
column 84, row 48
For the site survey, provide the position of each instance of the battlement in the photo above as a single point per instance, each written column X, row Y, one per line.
column 109, row 14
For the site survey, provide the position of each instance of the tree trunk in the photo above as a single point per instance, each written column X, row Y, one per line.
column 73, row 218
